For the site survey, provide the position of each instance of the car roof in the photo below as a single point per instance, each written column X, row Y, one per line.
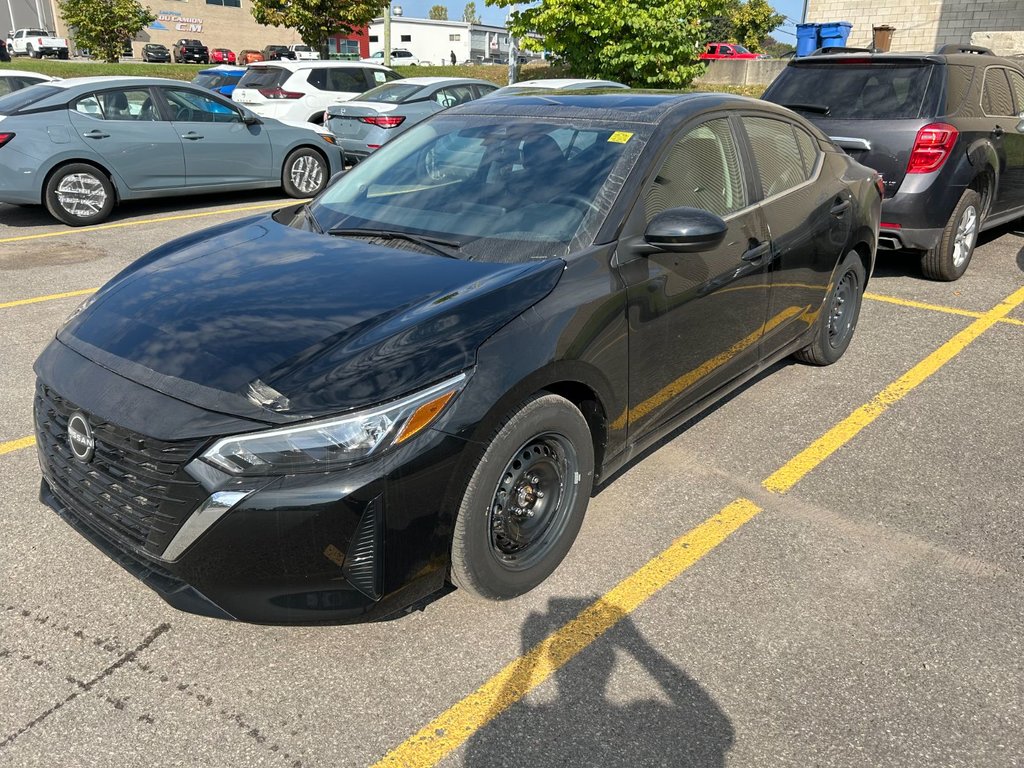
column 566, row 82
column 626, row 106
column 223, row 69
column 893, row 57
column 26, row 73
column 428, row 81
column 295, row 65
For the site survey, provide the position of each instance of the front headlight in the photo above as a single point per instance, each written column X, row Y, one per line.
column 324, row 445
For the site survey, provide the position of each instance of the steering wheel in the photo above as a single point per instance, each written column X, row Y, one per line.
column 184, row 115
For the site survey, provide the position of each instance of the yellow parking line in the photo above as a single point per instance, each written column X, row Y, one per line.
column 455, row 725
column 50, row 297
column 140, row 222
column 15, row 445
column 792, row 471
column 935, row 307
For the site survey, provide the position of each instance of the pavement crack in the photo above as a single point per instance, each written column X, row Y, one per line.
column 107, row 671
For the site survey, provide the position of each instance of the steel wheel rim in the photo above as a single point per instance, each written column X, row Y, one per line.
column 840, row 317
column 532, row 503
column 966, row 231
column 307, row 174
column 81, row 194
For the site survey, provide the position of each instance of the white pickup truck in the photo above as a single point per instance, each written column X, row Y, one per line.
column 37, row 43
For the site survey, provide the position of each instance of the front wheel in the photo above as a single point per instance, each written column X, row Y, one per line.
column 79, row 195
column 837, row 319
column 525, row 500
column 305, row 173
column 948, row 260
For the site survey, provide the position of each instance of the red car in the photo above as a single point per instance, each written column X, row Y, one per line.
column 727, row 51
column 222, row 56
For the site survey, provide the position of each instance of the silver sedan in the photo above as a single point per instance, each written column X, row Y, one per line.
column 377, row 116
column 79, row 146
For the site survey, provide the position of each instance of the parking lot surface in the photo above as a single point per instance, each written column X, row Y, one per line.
column 826, row 569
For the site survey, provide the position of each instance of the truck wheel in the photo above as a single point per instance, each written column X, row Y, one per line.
column 305, row 173
column 948, row 260
column 31, row 52
column 525, row 501
column 64, row 54
column 837, row 319
column 79, row 194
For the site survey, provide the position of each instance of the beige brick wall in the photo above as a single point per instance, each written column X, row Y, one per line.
column 921, row 25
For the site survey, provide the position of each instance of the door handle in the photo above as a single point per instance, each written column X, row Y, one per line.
column 191, row 136
column 998, row 132
column 96, row 134
column 758, row 252
column 838, row 209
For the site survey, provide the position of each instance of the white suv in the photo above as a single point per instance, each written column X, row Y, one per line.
column 400, row 57
column 304, row 53
column 302, row 90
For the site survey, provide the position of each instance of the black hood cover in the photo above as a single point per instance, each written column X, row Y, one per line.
column 332, row 324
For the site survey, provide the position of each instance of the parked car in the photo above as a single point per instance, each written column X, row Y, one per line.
column 277, row 53
column 945, row 131
column 129, row 138
column 302, row 90
column 423, row 373
column 554, row 84
column 714, row 51
column 303, row 53
column 190, row 51
column 379, row 115
column 4, row 55
column 155, row 52
column 36, row 43
column 222, row 79
column 14, row 80
column 248, row 56
column 222, row 56
column 400, row 57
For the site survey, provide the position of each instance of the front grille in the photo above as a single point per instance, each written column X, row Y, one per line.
column 134, row 489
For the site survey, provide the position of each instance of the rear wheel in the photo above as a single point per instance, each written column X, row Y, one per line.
column 79, row 195
column 838, row 315
column 948, row 260
column 305, row 173
column 525, row 500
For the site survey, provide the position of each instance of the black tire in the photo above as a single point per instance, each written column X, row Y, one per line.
column 31, row 52
column 837, row 319
column 305, row 173
column 85, row 184
column 948, row 260
column 63, row 55
column 525, row 500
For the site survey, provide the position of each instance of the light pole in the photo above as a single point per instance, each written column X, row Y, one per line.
column 511, row 52
column 10, row 11
column 387, row 35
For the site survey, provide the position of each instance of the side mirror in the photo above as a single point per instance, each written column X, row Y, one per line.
column 685, row 230
column 251, row 120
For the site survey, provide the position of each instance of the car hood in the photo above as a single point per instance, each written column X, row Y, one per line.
column 330, row 324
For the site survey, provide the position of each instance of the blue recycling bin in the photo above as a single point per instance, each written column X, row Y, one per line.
column 806, row 39
column 834, row 34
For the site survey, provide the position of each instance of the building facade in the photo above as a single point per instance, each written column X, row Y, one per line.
column 924, row 25
column 435, row 41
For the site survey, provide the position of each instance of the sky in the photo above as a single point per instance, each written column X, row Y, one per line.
column 419, row 9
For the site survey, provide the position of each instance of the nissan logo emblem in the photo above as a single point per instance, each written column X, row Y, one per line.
column 80, row 439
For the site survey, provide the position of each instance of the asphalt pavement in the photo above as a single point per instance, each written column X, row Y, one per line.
column 826, row 569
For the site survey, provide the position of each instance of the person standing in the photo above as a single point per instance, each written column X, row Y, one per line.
column 453, row 58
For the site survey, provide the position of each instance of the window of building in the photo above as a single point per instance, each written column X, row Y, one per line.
column 373, row 38
column 454, row 38
column 228, row 3
column 406, row 38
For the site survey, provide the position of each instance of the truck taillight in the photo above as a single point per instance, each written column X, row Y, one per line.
column 932, row 147
column 40, row 42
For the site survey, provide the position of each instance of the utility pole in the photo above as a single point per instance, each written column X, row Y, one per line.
column 387, row 35
column 511, row 59
column 10, row 10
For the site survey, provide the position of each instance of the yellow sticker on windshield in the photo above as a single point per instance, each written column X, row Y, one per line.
column 620, row 137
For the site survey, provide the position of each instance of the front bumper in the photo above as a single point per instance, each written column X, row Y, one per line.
column 333, row 547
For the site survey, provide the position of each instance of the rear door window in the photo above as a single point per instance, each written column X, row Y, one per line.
column 1017, row 80
column 854, row 91
column 339, row 79
column 996, row 98
column 777, row 154
column 263, row 77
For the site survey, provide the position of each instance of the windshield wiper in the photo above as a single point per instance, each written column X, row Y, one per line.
column 312, row 219
column 821, row 109
column 437, row 245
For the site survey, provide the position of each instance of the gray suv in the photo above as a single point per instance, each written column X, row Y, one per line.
column 945, row 130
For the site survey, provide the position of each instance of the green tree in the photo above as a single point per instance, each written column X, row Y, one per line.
column 753, row 21
column 721, row 27
column 469, row 15
column 317, row 20
column 438, row 13
column 654, row 43
column 104, row 26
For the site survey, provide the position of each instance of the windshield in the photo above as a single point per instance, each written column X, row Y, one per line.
column 263, row 77
column 303, row 48
column 18, row 100
column 504, row 189
column 391, row 93
column 215, row 80
column 854, row 91
column 739, row 48
column 36, row 33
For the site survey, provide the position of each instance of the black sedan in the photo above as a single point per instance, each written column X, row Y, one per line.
column 325, row 413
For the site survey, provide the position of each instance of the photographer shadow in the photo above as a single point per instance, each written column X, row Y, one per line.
column 580, row 726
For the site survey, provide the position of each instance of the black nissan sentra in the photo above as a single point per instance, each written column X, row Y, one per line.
column 325, row 413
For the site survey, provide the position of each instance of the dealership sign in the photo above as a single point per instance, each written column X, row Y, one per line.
column 176, row 21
